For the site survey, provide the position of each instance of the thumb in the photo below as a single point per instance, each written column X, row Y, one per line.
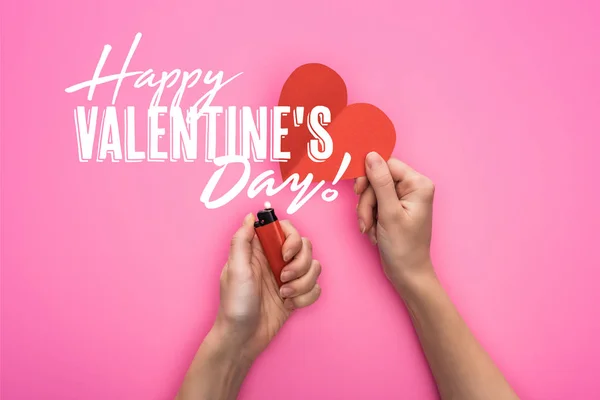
column 240, row 250
column 380, row 178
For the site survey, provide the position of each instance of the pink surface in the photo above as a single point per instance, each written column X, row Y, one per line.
column 110, row 270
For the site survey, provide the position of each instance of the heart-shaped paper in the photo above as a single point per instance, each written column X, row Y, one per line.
column 356, row 129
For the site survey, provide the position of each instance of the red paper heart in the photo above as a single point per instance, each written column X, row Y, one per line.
column 356, row 128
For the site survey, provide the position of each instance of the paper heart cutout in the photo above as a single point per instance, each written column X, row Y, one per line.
column 356, row 128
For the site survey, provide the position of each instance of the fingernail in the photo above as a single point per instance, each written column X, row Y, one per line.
column 362, row 226
column 287, row 276
column 286, row 291
column 373, row 239
column 374, row 160
column 289, row 304
column 287, row 256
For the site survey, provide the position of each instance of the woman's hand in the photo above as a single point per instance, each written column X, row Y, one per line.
column 253, row 308
column 251, row 312
column 395, row 210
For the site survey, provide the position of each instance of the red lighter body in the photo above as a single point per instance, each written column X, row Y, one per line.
column 271, row 238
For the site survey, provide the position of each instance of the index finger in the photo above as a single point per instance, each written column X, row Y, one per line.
column 293, row 241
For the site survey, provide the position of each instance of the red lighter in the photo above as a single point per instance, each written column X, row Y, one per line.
column 271, row 238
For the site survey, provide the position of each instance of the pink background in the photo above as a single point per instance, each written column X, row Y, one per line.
column 110, row 271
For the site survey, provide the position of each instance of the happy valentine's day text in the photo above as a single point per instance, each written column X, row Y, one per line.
column 246, row 131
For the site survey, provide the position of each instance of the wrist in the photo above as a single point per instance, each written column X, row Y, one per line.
column 415, row 281
column 226, row 347
column 217, row 371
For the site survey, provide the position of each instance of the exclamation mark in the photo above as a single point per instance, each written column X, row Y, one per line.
column 330, row 195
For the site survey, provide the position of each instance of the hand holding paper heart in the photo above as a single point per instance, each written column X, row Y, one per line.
column 356, row 129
